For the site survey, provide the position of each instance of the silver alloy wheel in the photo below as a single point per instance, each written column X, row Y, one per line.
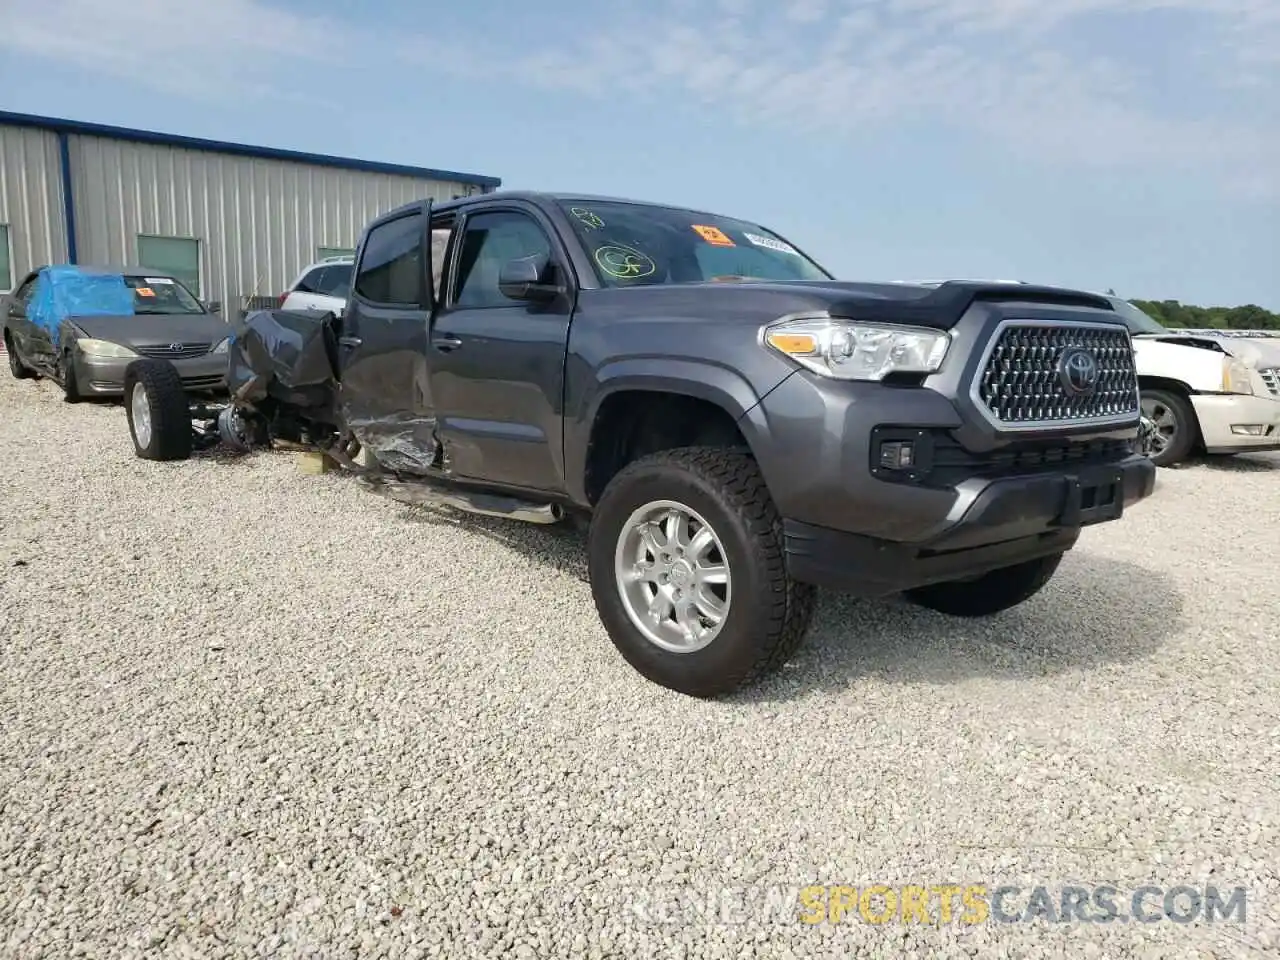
column 673, row 576
column 1165, row 421
column 141, row 409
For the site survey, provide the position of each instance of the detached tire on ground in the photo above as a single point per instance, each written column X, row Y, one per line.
column 991, row 593
column 689, row 575
column 1177, row 429
column 158, row 411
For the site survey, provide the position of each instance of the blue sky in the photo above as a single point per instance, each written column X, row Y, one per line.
column 1132, row 144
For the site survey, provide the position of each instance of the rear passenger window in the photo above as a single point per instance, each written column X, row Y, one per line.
column 310, row 283
column 334, row 281
column 391, row 267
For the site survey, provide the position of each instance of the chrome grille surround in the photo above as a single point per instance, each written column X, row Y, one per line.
column 1017, row 385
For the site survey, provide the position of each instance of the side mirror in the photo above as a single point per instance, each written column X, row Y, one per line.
column 527, row 279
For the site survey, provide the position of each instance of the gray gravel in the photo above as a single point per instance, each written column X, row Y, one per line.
column 246, row 712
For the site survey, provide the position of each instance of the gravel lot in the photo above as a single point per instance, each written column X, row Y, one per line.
column 247, row 711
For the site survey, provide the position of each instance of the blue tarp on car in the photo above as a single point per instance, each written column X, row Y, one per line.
column 67, row 291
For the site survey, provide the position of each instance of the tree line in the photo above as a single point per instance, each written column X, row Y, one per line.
column 1171, row 313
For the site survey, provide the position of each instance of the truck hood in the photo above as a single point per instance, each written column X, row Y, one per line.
column 939, row 307
column 154, row 329
column 1257, row 351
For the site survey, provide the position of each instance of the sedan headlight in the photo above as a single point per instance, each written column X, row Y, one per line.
column 1236, row 376
column 222, row 345
column 104, row 349
column 852, row 350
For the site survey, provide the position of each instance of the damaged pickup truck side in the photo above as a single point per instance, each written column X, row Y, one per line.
column 738, row 426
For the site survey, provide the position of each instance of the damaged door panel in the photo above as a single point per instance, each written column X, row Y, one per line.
column 385, row 396
column 497, row 363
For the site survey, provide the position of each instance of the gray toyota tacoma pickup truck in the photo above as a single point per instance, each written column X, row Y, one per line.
column 737, row 426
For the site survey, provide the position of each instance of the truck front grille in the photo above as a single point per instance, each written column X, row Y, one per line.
column 174, row 351
column 939, row 460
column 1271, row 377
column 1025, row 383
column 952, row 462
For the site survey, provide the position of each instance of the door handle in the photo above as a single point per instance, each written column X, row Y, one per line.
column 446, row 344
column 350, row 341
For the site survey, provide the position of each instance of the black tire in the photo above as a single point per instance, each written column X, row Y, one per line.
column 70, row 386
column 991, row 593
column 16, row 366
column 1175, row 410
column 768, row 613
column 170, row 413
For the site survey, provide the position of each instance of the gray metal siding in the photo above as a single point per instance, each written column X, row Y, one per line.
column 258, row 221
column 31, row 198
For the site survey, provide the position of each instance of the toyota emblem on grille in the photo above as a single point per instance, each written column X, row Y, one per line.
column 1078, row 370
column 175, row 347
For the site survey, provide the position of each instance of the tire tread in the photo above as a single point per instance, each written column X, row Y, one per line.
column 170, row 409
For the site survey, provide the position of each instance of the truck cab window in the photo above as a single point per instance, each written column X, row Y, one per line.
column 490, row 240
column 390, row 268
column 440, row 234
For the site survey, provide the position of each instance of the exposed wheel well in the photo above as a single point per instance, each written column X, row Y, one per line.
column 634, row 423
column 1178, row 388
column 1164, row 383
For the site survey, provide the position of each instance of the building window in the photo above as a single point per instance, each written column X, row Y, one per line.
column 6, row 261
column 324, row 253
column 175, row 256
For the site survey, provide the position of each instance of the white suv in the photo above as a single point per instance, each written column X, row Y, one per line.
column 323, row 285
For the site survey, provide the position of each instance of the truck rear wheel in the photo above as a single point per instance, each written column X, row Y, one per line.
column 990, row 593
column 158, row 410
column 689, row 575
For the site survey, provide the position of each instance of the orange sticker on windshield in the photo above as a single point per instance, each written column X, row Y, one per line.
column 145, row 292
column 713, row 235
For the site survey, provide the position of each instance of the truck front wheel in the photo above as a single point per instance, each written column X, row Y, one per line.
column 990, row 593
column 689, row 575
column 1175, row 425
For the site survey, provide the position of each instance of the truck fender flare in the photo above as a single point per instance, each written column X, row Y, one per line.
column 701, row 379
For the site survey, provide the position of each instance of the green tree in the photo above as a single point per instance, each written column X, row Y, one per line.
column 1172, row 314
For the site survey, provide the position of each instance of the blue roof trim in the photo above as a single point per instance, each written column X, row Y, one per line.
column 58, row 125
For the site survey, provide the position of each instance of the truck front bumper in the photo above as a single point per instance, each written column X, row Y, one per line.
column 972, row 500
column 998, row 523
column 1235, row 423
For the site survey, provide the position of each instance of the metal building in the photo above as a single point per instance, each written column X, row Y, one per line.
column 234, row 222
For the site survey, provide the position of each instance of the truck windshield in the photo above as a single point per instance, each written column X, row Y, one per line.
column 1134, row 318
column 161, row 295
column 636, row 243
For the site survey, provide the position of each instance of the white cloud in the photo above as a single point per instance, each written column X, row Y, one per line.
column 209, row 50
column 834, row 67
column 990, row 66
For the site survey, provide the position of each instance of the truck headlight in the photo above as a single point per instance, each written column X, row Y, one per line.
column 222, row 345
column 104, row 349
column 852, row 350
column 1236, row 376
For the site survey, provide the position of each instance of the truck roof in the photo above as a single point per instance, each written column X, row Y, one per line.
column 538, row 196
